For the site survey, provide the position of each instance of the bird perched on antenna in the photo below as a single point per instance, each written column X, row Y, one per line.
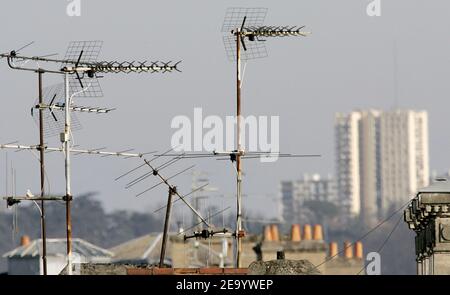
column 29, row 194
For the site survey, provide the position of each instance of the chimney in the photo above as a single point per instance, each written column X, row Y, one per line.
column 348, row 250
column 296, row 233
column 25, row 241
column 267, row 234
column 359, row 250
column 334, row 251
column 307, row 232
column 318, row 232
column 275, row 234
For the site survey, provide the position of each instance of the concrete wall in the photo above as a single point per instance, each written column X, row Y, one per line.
column 24, row 266
column 343, row 266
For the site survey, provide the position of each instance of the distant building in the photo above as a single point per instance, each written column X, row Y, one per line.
column 381, row 160
column 309, row 188
column 27, row 259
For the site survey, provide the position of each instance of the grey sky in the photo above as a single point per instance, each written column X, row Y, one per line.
column 347, row 63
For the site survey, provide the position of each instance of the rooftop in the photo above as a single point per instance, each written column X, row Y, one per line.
column 57, row 247
column 441, row 185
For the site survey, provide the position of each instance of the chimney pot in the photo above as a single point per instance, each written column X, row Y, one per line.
column 359, row 250
column 348, row 250
column 25, row 240
column 307, row 236
column 296, row 233
column 267, row 234
column 334, row 249
column 318, row 232
column 275, row 234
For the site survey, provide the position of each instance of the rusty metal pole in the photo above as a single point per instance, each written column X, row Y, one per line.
column 166, row 226
column 68, row 197
column 238, row 157
column 42, row 167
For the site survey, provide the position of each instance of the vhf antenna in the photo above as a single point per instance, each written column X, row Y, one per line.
column 155, row 170
column 80, row 64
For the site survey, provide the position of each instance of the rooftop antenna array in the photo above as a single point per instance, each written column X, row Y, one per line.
column 81, row 70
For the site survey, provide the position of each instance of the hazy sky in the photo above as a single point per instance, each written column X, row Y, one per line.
column 346, row 63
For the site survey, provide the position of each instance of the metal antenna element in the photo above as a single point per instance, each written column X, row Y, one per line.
column 163, row 180
column 83, row 52
column 97, row 152
column 247, row 24
column 173, row 191
column 234, row 18
column 52, row 112
column 210, row 233
column 184, row 197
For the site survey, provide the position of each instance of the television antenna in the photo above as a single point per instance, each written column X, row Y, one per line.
column 155, row 170
column 244, row 39
column 79, row 65
column 242, row 25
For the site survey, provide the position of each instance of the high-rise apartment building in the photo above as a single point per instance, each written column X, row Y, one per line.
column 381, row 160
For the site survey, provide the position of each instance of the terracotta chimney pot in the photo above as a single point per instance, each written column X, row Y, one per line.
column 307, row 235
column 267, row 234
column 296, row 233
column 25, row 240
column 334, row 250
column 318, row 232
column 359, row 250
column 275, row 233
column 348, row 250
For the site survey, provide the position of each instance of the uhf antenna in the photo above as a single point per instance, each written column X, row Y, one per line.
column 245, row 27
column 81, row 72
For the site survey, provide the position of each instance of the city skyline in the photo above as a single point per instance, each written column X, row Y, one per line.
column 381, row 162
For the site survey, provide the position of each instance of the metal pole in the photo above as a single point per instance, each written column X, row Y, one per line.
column 238, row 157
column 166, row 226
column 65, row 139
column 42, row 165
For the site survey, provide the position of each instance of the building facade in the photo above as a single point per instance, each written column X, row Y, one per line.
column 309, row 188
column 404, row 161
column 381, row 160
